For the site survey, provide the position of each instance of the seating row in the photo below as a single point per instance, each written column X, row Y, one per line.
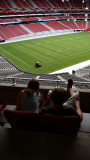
column 12, row 31
column 45, row 122
column 41, row 4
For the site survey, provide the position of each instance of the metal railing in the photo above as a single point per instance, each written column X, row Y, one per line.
column 44, row 82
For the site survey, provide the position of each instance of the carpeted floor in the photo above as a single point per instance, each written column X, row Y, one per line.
column 85, row 124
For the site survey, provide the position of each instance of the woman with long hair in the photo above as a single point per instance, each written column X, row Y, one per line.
column 30, row 99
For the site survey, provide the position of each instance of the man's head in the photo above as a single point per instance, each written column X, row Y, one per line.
column 58, row 96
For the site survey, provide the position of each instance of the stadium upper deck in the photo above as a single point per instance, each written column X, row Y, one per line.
column 44, row 4
column 21, row 18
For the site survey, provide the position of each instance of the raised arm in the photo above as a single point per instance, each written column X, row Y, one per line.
column 78, row 109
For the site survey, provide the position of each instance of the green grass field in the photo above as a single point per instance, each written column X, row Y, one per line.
column 53, row 53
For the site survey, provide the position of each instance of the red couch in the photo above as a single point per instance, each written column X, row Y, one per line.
column 46, row 122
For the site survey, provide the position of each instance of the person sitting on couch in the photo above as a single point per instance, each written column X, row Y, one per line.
column 30, row 99
column 57, row 104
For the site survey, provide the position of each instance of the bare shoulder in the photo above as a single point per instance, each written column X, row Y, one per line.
column 22, row 92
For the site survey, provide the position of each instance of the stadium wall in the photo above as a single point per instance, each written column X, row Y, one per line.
column 2, row 41
column 87, row 30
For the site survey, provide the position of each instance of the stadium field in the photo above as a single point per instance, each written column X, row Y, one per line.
column 53, row 53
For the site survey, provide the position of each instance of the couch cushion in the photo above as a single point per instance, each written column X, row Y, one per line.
column 61, row 124
column 23, row 120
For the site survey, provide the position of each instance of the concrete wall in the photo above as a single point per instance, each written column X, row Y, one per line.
column 9, row 95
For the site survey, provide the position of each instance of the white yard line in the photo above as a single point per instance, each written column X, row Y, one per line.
column 15, row 57
column 27, row 51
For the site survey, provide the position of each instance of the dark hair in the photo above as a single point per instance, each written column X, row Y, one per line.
column 58, row 96
column 33, row 86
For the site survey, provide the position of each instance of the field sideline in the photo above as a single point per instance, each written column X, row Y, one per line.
column 53, row 53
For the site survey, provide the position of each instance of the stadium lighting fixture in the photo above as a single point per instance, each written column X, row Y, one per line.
column 62, row 0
